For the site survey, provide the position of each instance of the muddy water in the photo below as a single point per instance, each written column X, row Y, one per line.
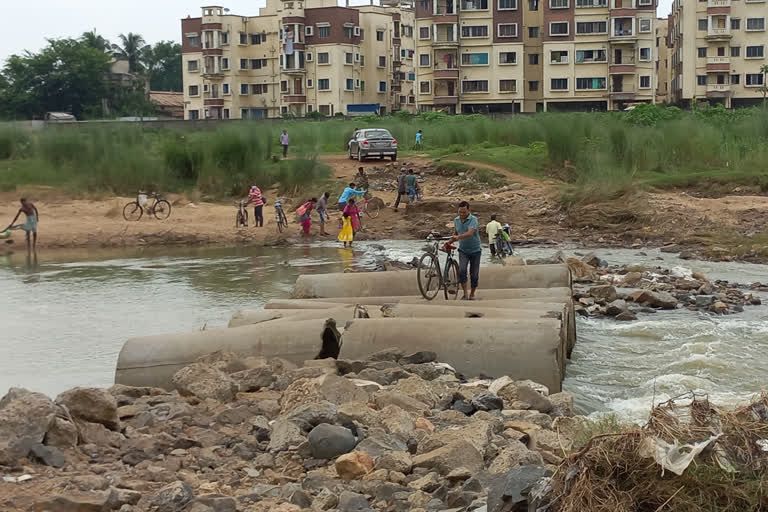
column 65, row 316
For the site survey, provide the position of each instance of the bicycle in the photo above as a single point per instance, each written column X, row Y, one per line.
column 241, row 219
column 282, row 220
column 431, row 277
column 134, row 210
column 371, row 209
column 503, row 247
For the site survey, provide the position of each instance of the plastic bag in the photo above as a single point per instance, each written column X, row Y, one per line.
column 674, row 457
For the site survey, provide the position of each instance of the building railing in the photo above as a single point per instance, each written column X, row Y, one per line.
column 718, row 32
column 718, row 60
column 718, row 3
column 718, row 87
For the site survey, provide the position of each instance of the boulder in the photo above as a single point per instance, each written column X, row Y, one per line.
column 397, row 422
column 171, row 498
column 632, row 279
column 331, row 388
column 562, row 404
column 379, row 444
column 204, row 382
column 579, row 269
column 478, row 434
column 329, row 441
column 449, row 457
column 354, row 465
column 253, row 379
column 719, row 307
column 626, row 316
column 513, row 455
column 353, row 502
column 395, row 461
column 311, row 415
column 25, row 415
column 487, row 402
column 93, row 405
column 48, row 455
column 534, row 399
column 90, row 502
column 428, row 483
column 62, row 434
column 419, row 358
column 358, row 412
column 509, row 491
column 285, row 435
column 424, row 391
column 616, row 307
column 661, row 300
column 704, row 301
column 604, row 292
column 99, row 435
column 384, row 398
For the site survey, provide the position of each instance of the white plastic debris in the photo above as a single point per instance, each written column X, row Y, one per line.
column 674, row 457
column 762, row 444
column 17, row 479
column 681, row 272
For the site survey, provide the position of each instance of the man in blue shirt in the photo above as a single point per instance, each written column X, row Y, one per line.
column 467, row 233
column 417, row 144
column 348, row 193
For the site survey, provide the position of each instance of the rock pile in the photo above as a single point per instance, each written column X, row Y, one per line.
column 393, row 432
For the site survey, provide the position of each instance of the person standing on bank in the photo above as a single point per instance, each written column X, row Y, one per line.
column 492, row 228
column 410, row 184
column 417, row 144
column 401, row 189
column 285, row 140
column 30, row 225
column 322, row 211
column 470, row 249
column 256, row 198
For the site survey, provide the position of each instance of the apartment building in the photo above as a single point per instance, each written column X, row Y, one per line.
column 718, row 50
column 296, row 57
column 663, row 54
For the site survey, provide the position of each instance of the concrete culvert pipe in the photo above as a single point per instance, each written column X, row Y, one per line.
column 341, row 313
column 153, row 360
column 376, row 284
column 522, row 349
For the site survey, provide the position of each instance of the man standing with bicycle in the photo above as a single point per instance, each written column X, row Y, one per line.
column 467, row 233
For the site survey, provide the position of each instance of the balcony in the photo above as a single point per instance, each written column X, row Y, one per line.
column 623, row 36
column 445, row 73
column 718, row 3
column 397, row 63
column 445, row 43
column 212, row 73
column 294, row 98
column 395, row 86
column 718, row 90
column 446, row 100
column 294, row 71
column 718, row 60
column 214, row 102
column 718, row 34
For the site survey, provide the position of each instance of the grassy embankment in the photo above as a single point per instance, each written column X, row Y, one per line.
column 597, row 156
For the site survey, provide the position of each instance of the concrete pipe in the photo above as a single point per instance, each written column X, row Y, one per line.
column 153, row 360
column 376, row 284
column 340, row 312
column 522, row 349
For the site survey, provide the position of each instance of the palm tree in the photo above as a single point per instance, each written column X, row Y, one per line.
column 131, row 48
column 95, row 41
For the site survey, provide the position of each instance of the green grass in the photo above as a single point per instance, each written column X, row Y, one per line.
column 528, row 161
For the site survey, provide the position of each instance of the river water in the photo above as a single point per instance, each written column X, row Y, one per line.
column 65, row 316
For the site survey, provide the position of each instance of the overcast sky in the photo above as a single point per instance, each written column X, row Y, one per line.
column 29, row 23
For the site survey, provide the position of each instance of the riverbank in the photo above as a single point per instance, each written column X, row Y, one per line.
column 726, row 227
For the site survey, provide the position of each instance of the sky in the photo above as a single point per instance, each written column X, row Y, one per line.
column 156, row 20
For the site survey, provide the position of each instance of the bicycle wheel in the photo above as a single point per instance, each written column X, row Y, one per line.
column 281, row 221
column 451, row 280
column 372, row 210
column 132, row 211
column 428, row 276
column 162, row 209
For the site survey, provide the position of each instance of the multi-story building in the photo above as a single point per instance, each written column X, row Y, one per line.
column 718, row 50
column 663, row 53
column 296, row 57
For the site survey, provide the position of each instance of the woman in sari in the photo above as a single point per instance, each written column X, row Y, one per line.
column 304, row 215
column 354, row 214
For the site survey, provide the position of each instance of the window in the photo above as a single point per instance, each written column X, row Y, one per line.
column 243, row 38
column 382, row 86
column 474, row 31
column 591, row 3
column 755, row 24
column 474, row 59
column 424, row 59
column 349, row 84
column 507, row 85
column 255, row 38
column 533, row 85
column 324, row 109
column 310, row 83
column 308, row 56
column 379, row 35
column 735, row 23
column 348, row 58
column 533, row 59
column 703, row 24
column 645, row 82
column 559, row 84
column 194, row 115
column 558, row 4
column 425, row 87
column 258, row 63
column 323, row 58
column 735, row 79
column 645, row 54
column 362, row 61
column 244, row 113
column 194, row 90
column 474, row 85
column 284, row 86
column 205, row 88
column 324, row 31
column 507, row 4
column 225, row 89
column 357, row 32
column 645, row 25
column 324, row 84
column 382, row 62
column 192, row 65
column 224, row 37
column 357, row 57
column 754, row 52
column 263, row 88
column 348, row 32
column 590, row 84
column 701, row 79
column 702, row 52
column 423, row 32
column 533, row 5
column 243, row 89
column 225, row 63
column 753, row 80
column 309, row 31
column 558, row 28
column 309, row 109
column 735, row 51
column 533, row 32
column 644, row 2
column 507, row 29
column 474, row 5
column 589, row 56
column 592, row 27
column 559, row 57
column 226, row 113
column 362, row 85
column 508, row 58
column 243, row 63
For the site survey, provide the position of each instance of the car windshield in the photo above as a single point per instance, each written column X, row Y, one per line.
column 376, row 134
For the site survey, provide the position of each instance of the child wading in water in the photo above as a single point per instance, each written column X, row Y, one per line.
column 346, row 234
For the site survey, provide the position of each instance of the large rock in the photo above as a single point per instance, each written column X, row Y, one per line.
column 424, row 391
column 204, row 382
column 487, row 402
column 604, row 292
column 253, row 379
column 397, row 422
column 352, row 466
column 661, row 300
column 285, row 435
column 450, row 457
column 98, row 434
column 407, row 403
column 616, row 307
column 93, row 405
column 330, row 441
column 48, row 455
column 62, row 434
column 353, row 502
column 308, row 416
column 509, row 492
column 395, row 461
column 478, row 434
column 171, row 498
column 359, row 412
column 331, row 388
column 515, row 454
column 91, row 502
column 534, row 399
column 25, row 415
column 379, row 444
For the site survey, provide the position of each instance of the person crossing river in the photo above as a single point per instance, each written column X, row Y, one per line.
column 349, row 193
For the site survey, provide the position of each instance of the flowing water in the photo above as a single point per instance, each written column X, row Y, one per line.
column 65, row 316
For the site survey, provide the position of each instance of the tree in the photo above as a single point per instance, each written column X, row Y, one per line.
column 131, row 48
column 96, row 41
column 163, row 64
column 764, row 88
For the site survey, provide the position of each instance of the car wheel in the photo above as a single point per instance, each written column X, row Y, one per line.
column 394, row 157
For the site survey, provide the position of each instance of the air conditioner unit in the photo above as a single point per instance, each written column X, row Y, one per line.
column 309, row 30
column 356, row 31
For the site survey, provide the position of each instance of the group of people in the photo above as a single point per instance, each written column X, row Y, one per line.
column 407, row 186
